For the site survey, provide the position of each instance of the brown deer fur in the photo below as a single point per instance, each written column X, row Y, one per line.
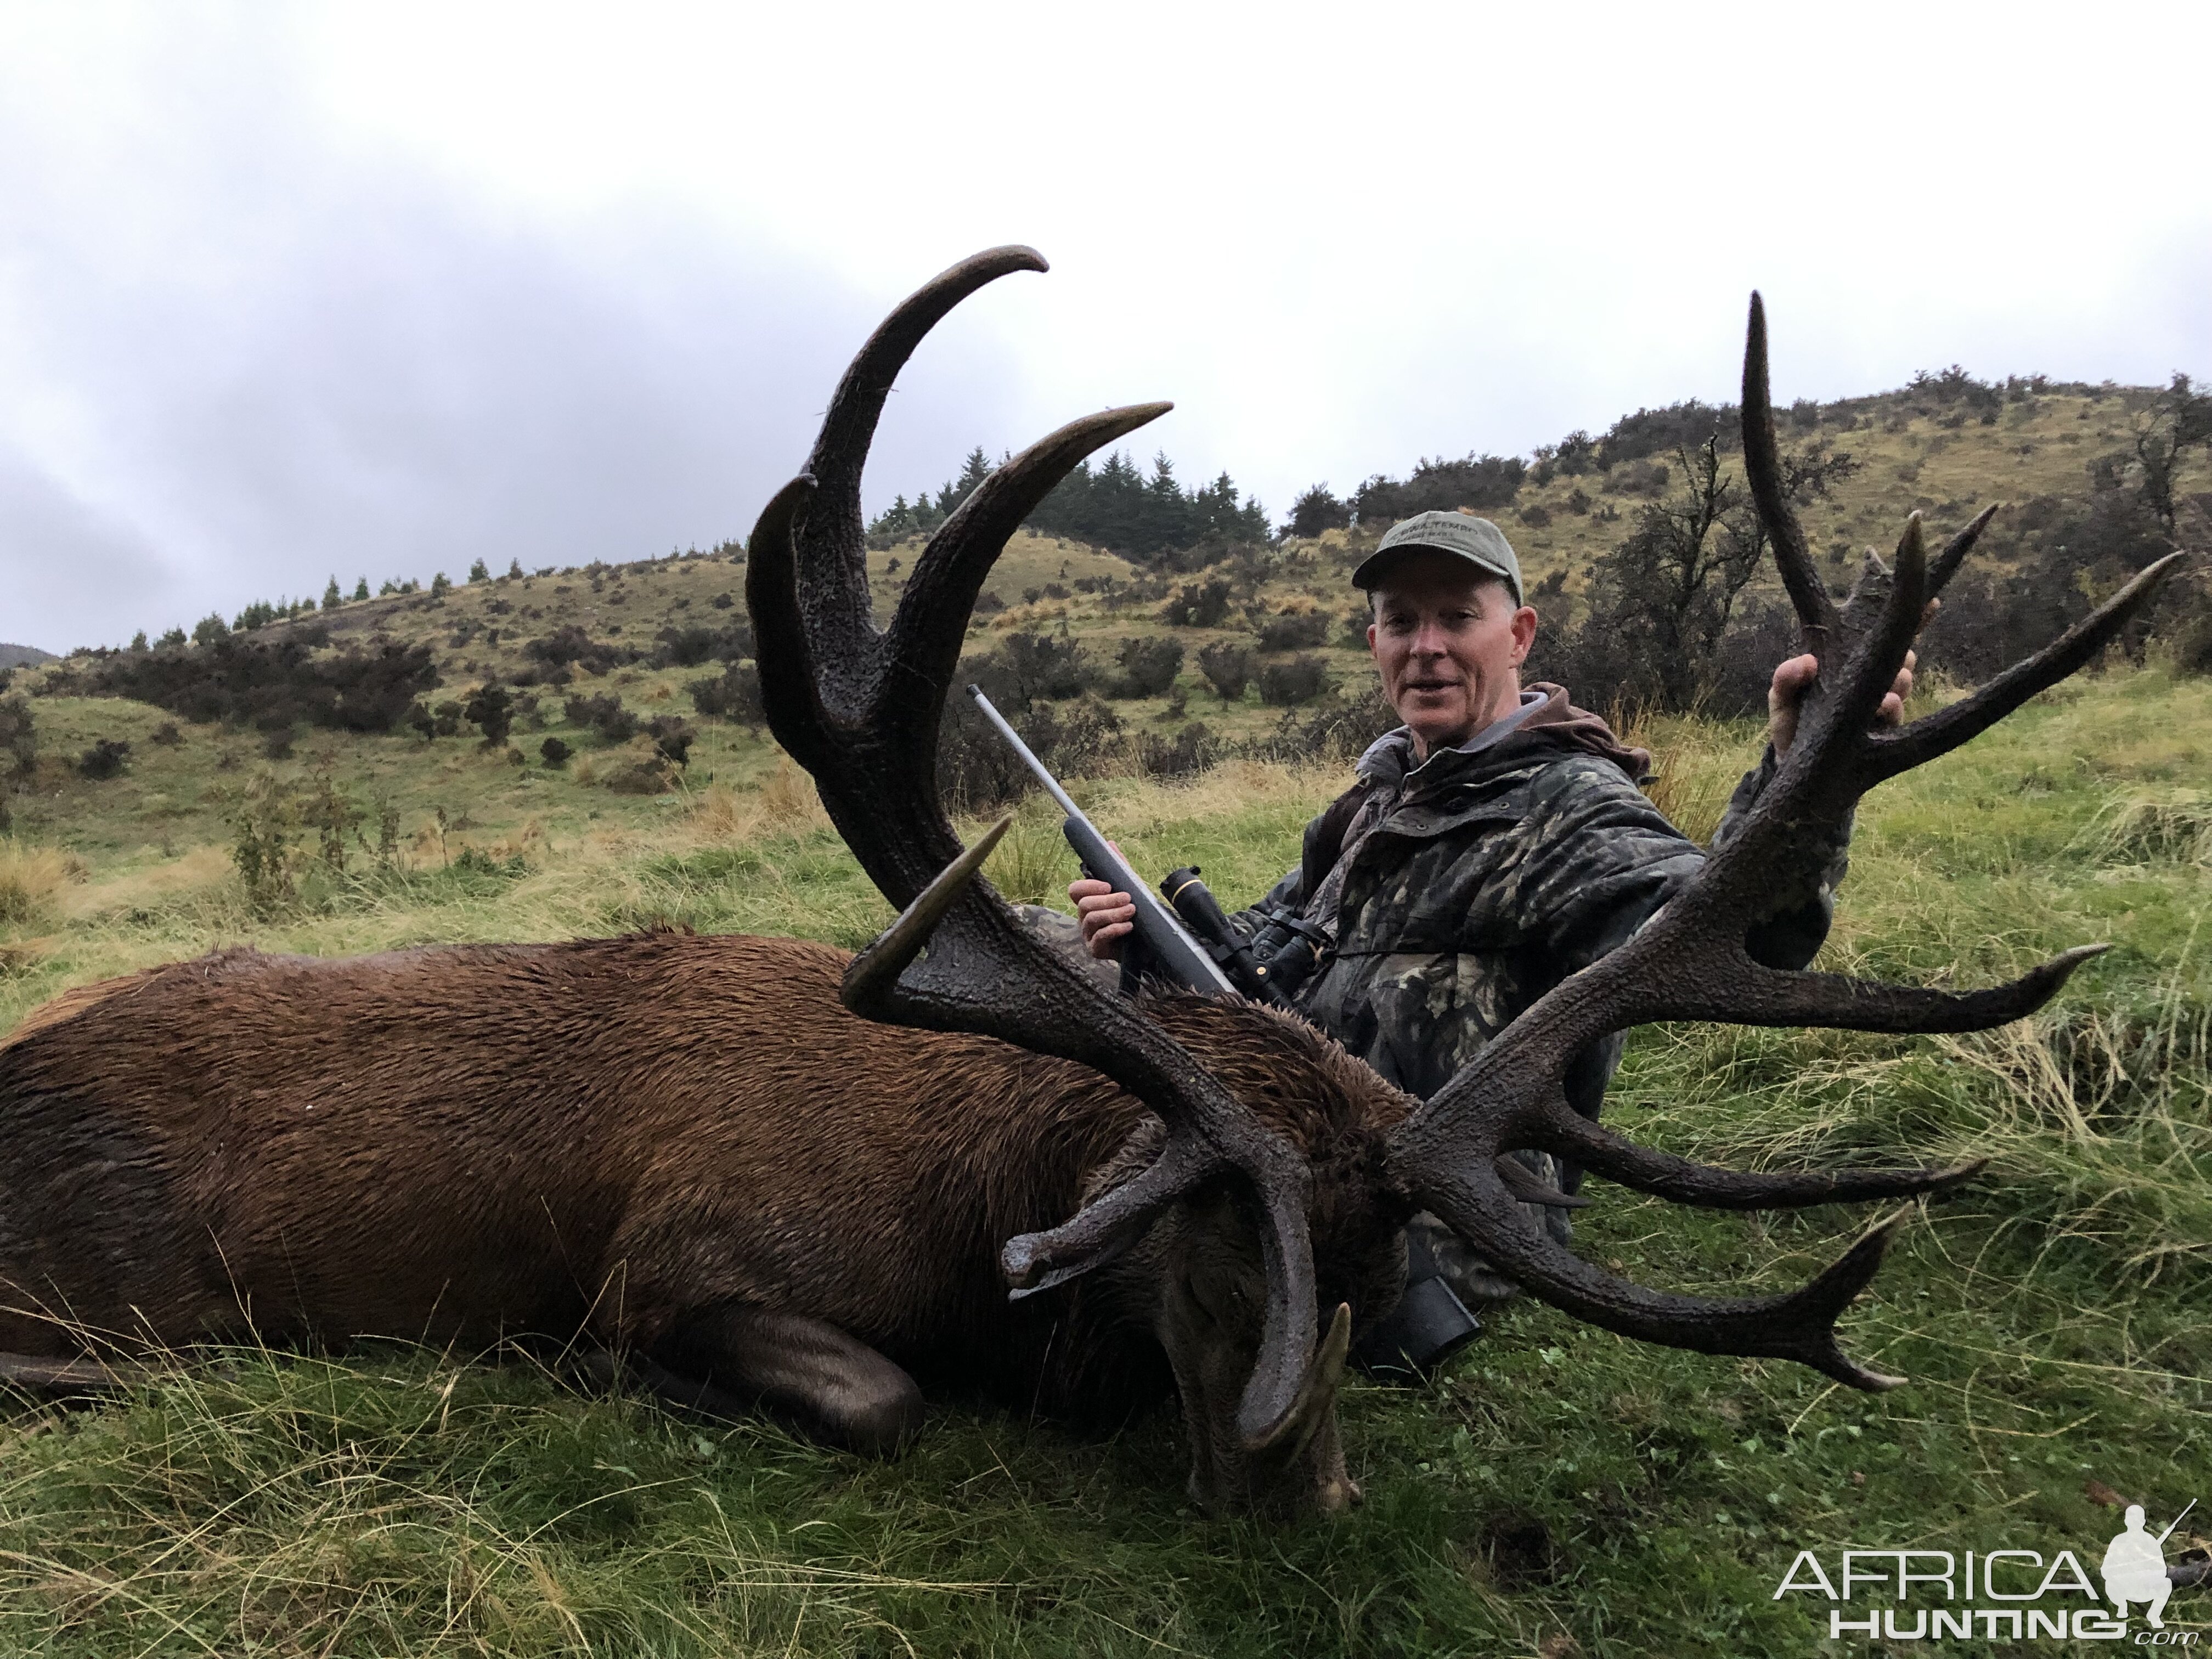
column 621, row 1139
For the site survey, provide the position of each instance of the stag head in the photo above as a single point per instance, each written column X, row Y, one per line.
column 1253, row 1170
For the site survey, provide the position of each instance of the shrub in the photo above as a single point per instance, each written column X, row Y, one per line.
column 18, row 742
column 1535, row 515
column 1030, row 668
column 689, row 646
column 1286, row 684
column 1656, row 431
column 672, row 737
column 554, row 753
column 1636, row 478
column 1227, row 668
column 1337, row 733
column 1191, row 751
column 266, row 821
column 569, row 645
column 245, row 681
column 491, row 708
column 734, row 694
column 1149, row 665
column 641, row 769
column 603, row 713
column 166, row 736
column 104, row 760
column 1198, row 605
column 1294, row 632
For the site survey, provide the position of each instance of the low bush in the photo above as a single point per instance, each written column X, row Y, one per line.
column 603, row 713
column 1294, row 631
column 261, row 682
column 569, row 647
column 1287, row 684
column 104, row 760
column 692, row 644
column 1227, row 668
column 734, row 694
column 1198, row 604
column 1149, row 665
column 1030, row 668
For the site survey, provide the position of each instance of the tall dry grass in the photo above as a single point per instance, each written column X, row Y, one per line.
column 32, row 880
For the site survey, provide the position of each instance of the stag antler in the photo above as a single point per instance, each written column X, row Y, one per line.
column 1690, row 962
column 860, row 709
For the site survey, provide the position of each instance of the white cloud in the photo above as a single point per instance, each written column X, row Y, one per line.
column 383, row 288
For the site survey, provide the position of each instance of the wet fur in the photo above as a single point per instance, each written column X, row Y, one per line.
column 613, row 1138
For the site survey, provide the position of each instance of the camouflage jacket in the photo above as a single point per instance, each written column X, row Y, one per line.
column 1485, row 878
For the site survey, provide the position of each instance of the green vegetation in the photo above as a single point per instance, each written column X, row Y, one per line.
column 1558, row 1486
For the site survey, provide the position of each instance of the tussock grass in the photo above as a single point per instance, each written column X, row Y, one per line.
column 2055, row 1316
column 31, row 881
column 2148, row 827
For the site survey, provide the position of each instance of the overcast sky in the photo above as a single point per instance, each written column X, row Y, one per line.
column 288, row 292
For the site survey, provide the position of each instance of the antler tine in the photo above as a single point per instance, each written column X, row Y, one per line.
column 926, row 633
column 836, row 548
column 1934, row 734
column 1762, row 465
column 1955, row 551
column 1102, row 1231
column 790, row 691
column 1799, row 1324
column 859, row 710
column 1682, row 1181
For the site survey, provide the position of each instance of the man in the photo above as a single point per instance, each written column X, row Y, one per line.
column 1490, row 846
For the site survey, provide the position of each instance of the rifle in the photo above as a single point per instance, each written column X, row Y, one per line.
column 1166, row 942
column 1429, row 1322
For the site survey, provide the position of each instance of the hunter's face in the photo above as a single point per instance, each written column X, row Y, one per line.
column 1450, row 642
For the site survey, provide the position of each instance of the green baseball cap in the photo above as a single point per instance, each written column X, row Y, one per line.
column 1477, row 541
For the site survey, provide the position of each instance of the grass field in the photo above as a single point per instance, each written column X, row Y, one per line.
column 1561, row 1491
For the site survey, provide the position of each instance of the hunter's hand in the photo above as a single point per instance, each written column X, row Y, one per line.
column 1107, row 917
column 1795, row 676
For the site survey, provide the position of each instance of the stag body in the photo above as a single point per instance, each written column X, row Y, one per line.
column 679, row 1145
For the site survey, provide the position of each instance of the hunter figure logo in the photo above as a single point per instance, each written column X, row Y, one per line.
column 2135, row 1567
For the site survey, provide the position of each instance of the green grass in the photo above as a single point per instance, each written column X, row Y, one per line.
column 1559, row 1484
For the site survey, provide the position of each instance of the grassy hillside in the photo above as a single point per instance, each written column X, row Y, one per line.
column 1559, row 1491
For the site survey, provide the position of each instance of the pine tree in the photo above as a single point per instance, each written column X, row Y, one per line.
column 331, row 598
column 361, row 588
